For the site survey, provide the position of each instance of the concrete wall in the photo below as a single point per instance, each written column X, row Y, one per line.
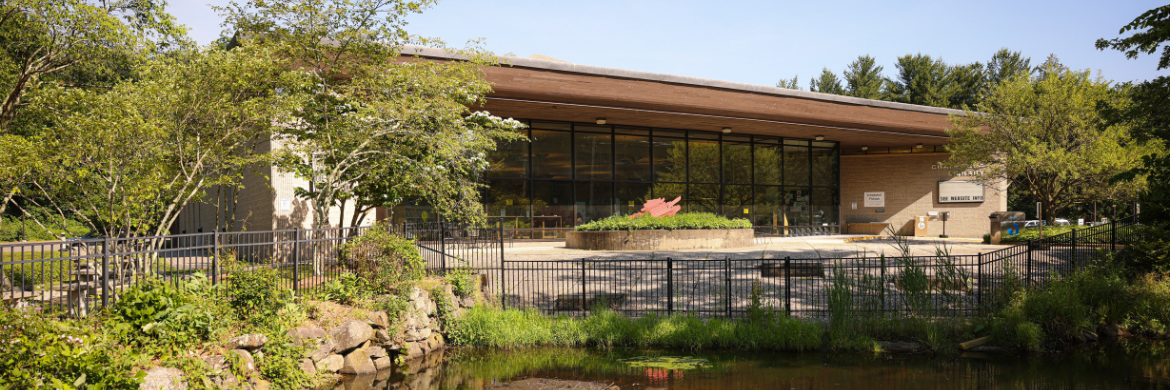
column 910, row 182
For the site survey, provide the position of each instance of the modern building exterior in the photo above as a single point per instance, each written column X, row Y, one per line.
column 603, row 141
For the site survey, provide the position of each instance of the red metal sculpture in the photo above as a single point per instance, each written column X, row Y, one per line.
column 659, row 207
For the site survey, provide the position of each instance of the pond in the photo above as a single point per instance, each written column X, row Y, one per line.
column 1126, row 365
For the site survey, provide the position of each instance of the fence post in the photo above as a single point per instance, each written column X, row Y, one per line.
column 442, row 246
column 882, row 291
column 979, row 292
column 1113, row 235
column 105, row 272
column 1075, row 263
column 583, row 285
column 503, row 283
column 1031, row 281
column 669, row 286
column 297, row 261
column 727, row 271
column 788, row 285
column 215, row 257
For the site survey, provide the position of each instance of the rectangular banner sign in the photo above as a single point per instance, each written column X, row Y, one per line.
column 960, row 192
column 875, row 199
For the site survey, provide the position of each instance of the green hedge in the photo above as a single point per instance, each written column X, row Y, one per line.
column 674, row 222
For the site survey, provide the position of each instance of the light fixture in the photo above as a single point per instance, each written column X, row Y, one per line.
column 601, row 121
column 726, row 130
column 864, row 148
column 820, row 138
column 919, row 146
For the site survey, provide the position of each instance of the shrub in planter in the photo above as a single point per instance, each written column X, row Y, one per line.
column 672, row 222
column 383, row 258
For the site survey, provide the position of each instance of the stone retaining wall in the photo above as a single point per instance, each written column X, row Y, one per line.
column 660, row 239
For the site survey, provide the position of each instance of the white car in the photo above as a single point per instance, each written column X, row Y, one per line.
column 1061, row 222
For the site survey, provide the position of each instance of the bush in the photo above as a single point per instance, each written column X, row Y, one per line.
column 383, row 258
column 462, row 281
column 39, row 351
column 256, row 294
column 345, row 289
column 166, row 316
column 673, row 222
column 1150, row 253
column 1030, row 234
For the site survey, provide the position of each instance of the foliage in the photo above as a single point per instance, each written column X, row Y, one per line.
column 255, row 294
column 1151, row 29
column 1031, row 234
column 1148, row 252
column 463, row 281
column 789, row 84
column 165, row 316
column 39, row 351
column 280, row 362
column 1046, row 136
column 348, row 289
column 863, row 78
column 384, row 259
column 827, row 82
column 13, row 229
column 673, row 222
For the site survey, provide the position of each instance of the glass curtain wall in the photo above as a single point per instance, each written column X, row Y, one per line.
column 573, row 173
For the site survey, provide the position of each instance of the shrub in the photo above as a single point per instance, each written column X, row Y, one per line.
column 462, row 281
column 256, row 293
column 673, row 222
column 1150, row 253
column 40, row 351
column 345, row 289
column 163, row 315
column 385, row 259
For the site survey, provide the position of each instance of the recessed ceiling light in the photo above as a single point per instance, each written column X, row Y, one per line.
column 601, row 121
column 919, row 146
column 820, row 138
column 864, row 148
column 726, row 130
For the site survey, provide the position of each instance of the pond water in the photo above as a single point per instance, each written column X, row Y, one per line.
column 1127, row 365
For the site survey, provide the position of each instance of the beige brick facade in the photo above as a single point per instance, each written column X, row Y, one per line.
column 910, row 183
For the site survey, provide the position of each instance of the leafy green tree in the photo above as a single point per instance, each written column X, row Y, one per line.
column 1005, row 64
column 789, row 84
column 1149, row 114
column 863, row 78
column 827, row 82
column 1045, row 134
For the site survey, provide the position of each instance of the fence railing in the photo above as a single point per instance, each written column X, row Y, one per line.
column 945, row 285
column 71, row 277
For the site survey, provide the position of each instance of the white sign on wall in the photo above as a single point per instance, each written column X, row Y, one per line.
column 960, row 192
column 285, row 204
column 875, row 199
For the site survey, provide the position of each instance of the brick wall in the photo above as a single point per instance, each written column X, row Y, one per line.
column 910, row 183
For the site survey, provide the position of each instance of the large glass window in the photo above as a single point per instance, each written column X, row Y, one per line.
column 795, row 163
column 769, row 163
column 769, row 206
column 632, row 196
column 737, row 201
column 508, row 200
column 702, row 198
column 632, row 158
column 796, row 207
column 510, row 159
column 594, row 156
column 670, row 191
column 552, row 207
column 824, row 167
column 704, row 161
column 670, row 159
column 824, row 206
column 737, row 160
column 594, row 201
column 550, row 155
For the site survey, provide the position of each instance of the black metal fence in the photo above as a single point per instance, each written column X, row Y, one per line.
column 943, row 285
column 70, row 277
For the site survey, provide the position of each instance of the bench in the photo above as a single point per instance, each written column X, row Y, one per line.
column 798, row 269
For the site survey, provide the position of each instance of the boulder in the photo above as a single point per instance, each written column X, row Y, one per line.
column 247, row 364
column 414, row 294
column 417, row 334
column 376, row 352
column 323, row 350
column 468, row 301
column 330, row 364
column 435, row 342
column 383, row 363
column 216, row 363
column 414, row 350
column 351, row 335
column 251, row 341
column 163, row 378
column 379, row 320
column 308, row 367
column 306, row 332
column 226, row 380
column 382, row 336
column 358, row 362
column 259, row 384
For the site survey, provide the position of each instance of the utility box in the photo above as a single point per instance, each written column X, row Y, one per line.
column 920, row 225
column 1005, row 221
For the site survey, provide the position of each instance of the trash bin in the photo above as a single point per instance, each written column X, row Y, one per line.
column 920, row 225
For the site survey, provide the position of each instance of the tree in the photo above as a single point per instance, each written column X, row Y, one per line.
column 863, row 78
column 1149, row 114
column 1045, row 134
column 921, row 80
column 788, row 84
column 827, row 82
column 1005, row 64
column 95, row 40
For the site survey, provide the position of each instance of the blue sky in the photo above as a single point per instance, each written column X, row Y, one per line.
column 761, row 42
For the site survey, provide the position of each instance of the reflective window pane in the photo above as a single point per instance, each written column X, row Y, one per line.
column 632, row 158
column 768, row 206
column 824, row 167
column 737, row 163
column 510, row 159
column 670, row 159
column 632, row 196
column 594, row 201
column 552, row 207
column 704, row 161
column 737, row 202
column 702, row 198
column 550, row 155
column 769, row 163
column 594, row 156
column 824, row 206
column 508, row 200
column 669, row 191
column 795, row 165
column 796, row 207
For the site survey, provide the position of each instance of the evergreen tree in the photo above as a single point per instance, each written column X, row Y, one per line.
column 826, row 83
column 967, row 85
column 1004, row 64
column 863, row 78
column 788, row 84
column 921, row 80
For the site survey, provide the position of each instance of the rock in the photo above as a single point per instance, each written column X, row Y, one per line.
column 163, row 378
column 247, row 364
column 414, row 350
column 330, row 364
column 258, row 355
column 1112, row 331
column 382, row 336
column 308, row 367
column 351, row 335
column 1087, row 337
column 216, row 363
column 380, row 320
column 468, row 301
column 323, row 350
column 358, row 362
column 226, row 380
column 251, row 341
column 414, row 294
column 435, row 342
column 376, row 352
column 418, row 334
column 259, row 384
column 383, row 363
column 306, row 332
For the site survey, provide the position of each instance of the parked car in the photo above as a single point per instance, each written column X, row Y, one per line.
column 1034, row 224
column 1061, row 222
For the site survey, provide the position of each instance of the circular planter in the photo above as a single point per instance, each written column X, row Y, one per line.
column 647, row 240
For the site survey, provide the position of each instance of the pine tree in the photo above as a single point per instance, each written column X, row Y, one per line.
column 788, row 84
column 921, row 80
column 863, row 78
column 826, row 83
column 1004, row 64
